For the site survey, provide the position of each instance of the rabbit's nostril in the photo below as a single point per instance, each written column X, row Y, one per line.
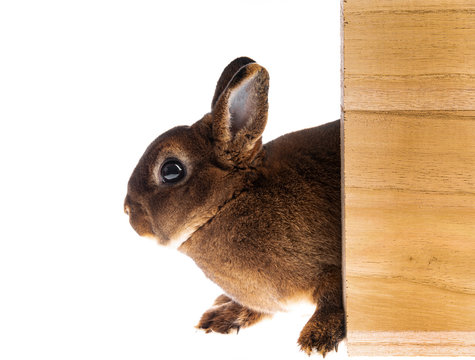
column 127, row 209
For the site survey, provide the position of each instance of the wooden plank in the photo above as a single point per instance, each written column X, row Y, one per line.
column 422, row 92
column 403, row 55
column 424, row 238
column 409, row 230
column 431, row 343
column 418, row 151
column 408, row 5
column 402, row 304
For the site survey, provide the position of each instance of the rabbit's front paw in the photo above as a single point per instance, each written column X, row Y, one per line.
column 323, row 333
column 226, row 316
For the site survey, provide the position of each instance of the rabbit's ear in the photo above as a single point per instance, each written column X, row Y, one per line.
column 240, row 115
column 227, row 75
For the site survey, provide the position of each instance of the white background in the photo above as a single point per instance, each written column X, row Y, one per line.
column 85, row 86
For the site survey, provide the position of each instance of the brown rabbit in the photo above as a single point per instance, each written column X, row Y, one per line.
column 262, row 221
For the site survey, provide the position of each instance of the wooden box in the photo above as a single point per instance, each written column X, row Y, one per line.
column 408, row 78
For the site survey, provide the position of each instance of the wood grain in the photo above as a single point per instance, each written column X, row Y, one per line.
column 408, row 85
column 407, row 5
column 401, row 55
column 418, row 151
column 431, row 343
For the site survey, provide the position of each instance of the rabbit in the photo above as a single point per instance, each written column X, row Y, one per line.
column 261, row 221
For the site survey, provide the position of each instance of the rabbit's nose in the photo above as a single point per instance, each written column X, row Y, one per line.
column 127, row 209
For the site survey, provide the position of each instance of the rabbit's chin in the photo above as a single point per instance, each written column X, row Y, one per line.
column 176, row 242
column 173, row 242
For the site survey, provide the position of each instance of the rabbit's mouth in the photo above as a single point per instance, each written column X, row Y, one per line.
column 167, row 234
column 141, row 222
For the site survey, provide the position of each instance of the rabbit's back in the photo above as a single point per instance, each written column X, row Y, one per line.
column 308, row 157
column 301, row 174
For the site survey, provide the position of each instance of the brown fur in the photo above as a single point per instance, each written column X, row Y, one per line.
column 227, row 315
column 262, row 221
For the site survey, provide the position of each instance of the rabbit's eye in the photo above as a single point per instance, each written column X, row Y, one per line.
column 172, row 171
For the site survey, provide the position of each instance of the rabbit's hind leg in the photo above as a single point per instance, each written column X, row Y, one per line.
column 326, row 328
column 227, row 316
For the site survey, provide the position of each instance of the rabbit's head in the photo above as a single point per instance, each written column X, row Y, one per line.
column 189, row 172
